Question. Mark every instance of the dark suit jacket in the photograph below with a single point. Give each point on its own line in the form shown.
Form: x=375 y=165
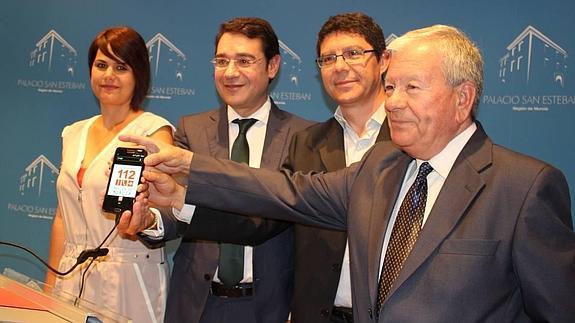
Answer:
x=318 y=252
x=498 y=245
x=196 y=260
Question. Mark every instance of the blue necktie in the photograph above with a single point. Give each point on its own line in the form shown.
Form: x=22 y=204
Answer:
x=231 y=263
x=404 y=233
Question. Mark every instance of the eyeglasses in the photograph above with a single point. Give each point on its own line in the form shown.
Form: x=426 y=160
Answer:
x=242 y=62
x=351 y=56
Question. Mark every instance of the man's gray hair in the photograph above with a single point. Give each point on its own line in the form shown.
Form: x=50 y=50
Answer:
x=462 y=60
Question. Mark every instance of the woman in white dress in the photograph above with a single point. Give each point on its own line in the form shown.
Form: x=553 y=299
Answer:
x=132 y=279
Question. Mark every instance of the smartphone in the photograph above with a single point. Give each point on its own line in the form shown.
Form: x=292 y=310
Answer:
x=125 y=176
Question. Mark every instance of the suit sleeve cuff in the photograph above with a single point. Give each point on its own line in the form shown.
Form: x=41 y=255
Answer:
x=185 y=214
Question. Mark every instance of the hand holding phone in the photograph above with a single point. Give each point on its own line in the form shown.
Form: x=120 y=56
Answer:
x=124 y=179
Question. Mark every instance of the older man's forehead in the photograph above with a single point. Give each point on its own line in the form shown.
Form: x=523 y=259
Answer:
x=414 y=57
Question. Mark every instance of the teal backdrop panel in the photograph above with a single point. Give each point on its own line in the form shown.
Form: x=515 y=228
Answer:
x=528 y=103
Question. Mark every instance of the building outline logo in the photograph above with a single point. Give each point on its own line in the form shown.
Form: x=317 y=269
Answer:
x=534 y=74
x=532 y=50
x=289 y=84
x=52 y=64
x=390 y=38
x=155 y=45
x=45 y=47
x=168 y=64
x=36 y=174
x=295 y=68
x=36 y=190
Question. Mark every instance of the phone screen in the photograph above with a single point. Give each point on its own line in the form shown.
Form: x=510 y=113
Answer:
x=124 y=179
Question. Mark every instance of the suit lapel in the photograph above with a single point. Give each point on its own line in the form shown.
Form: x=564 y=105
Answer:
x=385 y=194
x=384 y=133
x=217 y=133
x=460 y=189
x=331 y=150
x=277 y=134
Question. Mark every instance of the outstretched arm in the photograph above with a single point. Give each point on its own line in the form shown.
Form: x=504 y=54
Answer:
x=164 y=157
x=319 y=199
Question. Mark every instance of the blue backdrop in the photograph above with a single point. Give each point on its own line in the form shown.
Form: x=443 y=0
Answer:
x=528 y=103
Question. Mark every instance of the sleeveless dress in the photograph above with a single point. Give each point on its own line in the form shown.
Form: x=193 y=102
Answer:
x=132 y=279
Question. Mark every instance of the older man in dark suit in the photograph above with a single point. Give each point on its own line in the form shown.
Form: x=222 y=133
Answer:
x=450 y=227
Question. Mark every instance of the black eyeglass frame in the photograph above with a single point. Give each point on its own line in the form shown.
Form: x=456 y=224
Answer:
x=348 y=53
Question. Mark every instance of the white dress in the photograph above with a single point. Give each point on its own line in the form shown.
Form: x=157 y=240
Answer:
x=131 y=280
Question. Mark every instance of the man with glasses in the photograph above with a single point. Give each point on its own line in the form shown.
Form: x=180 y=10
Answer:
x=219 y=282
x=351 y=60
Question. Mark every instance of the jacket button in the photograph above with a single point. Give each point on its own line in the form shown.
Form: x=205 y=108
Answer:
x=336 y=267
x=207 y=277
x=324 y=312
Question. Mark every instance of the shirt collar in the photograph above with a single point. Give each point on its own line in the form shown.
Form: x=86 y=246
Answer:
x=260 y=114
x=375 y=121
x=443 y=162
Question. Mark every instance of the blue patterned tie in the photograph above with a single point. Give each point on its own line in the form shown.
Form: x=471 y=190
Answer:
x=231 y=263
x=404 y=233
